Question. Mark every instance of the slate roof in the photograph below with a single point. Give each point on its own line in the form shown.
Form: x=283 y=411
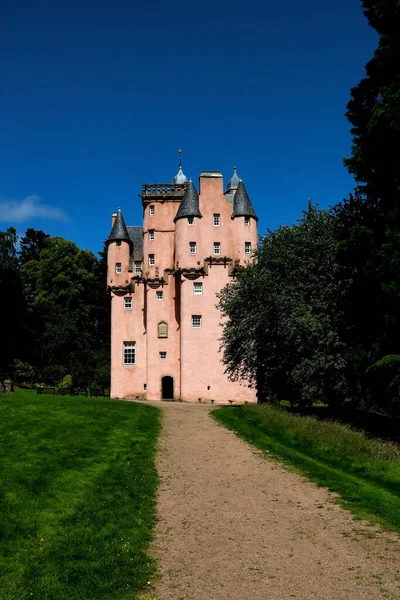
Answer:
x=233 y=182
x=136 y=237
x=119 y=230
x=189 y=206
x=242 y=206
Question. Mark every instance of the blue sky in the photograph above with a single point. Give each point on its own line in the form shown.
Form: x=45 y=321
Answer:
x=97 y=97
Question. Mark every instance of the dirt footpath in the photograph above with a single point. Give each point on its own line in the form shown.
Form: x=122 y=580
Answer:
x=235 y=526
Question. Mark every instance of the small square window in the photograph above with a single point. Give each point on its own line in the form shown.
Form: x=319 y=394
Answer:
x=216 y=219
x=196 y=320
x=118 y=268
x=163 y=356
x=127 y=303
x=151 y=234
x=119 y=243
x=197 y=288
x=151 y=210
x=138 y=267
x=217 y=248
x=247 y=220
x=192 y=247
x=152 y=260
x=247 y=247
x=129 y=356
x=190 y=220
x=159 y=295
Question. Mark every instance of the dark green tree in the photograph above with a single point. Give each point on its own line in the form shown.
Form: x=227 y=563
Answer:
x=11 y=301
x=63 y=278
x=368 y=223
x=281 y=328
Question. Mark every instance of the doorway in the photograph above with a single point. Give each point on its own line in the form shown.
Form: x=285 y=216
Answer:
x=167 y=387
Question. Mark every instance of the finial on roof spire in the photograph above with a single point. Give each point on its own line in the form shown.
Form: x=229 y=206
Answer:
x=180 y=177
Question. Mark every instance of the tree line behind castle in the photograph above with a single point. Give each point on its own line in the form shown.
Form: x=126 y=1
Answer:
x=316 y=319
x=55 y=312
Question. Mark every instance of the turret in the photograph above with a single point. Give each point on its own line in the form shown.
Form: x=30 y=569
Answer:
x=119 y=251
x=244 y=225
x=187 y=230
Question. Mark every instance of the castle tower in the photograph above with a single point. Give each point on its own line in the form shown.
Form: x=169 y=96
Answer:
x=164 y=280
x=245 y=225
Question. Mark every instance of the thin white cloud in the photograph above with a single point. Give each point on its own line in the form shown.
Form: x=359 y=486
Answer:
x=20 y=211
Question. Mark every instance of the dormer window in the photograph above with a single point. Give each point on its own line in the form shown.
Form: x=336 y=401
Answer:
x=151 y=210
x=190 y=220
x=247 y=220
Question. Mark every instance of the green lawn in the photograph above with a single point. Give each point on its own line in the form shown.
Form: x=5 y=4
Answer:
x=77 y=497
x=364 y=472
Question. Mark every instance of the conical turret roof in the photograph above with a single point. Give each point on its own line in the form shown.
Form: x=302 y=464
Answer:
x=242 y=206
x=119 y=230
x=189 y=207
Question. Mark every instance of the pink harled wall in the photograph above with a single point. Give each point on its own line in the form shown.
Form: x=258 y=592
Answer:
x=202 y=371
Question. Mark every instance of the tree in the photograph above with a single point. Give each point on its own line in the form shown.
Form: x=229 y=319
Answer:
x=11 y=301
x=281 y=328
x=368 y=223
x=64 y=281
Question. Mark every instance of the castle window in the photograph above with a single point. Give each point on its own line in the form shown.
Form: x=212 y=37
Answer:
x=247 y=247
x=128 y=303
x=151 y=210
x=162 y=329
x=138 y=267
x=192 y=247
x=217 y=248
x=129 y=356
x=118 y=268
x=152 y=260
x=151 y=234
x=163 y=356
x=217 y=220
x=118 y=243
x=159 y=295
x=190 y=220
x=197 y=288
x=247 y=220
x=196 y=320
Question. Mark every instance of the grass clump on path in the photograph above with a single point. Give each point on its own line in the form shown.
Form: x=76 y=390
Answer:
x=364 y=472
x=77 y=497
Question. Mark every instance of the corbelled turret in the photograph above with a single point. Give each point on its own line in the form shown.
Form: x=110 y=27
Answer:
x=119 y=230
x=242 y=206
x=189 y=207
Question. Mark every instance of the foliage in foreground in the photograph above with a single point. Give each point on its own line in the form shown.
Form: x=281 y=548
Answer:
x=364 y=472
x=77 y=497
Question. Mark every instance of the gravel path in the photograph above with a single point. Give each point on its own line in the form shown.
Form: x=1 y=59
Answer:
x=236 y=526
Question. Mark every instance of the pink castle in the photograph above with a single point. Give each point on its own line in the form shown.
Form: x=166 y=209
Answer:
x=164 y=277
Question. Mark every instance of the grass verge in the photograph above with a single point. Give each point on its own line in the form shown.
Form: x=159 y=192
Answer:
x=77 y=497
x=364 y=472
